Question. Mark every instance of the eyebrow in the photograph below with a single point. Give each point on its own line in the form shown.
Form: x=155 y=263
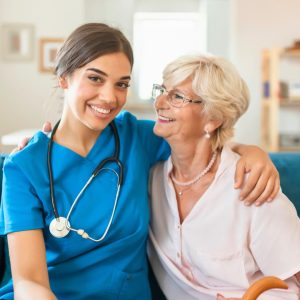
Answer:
x=176 y=90
x=182 y=93
x=106 y=75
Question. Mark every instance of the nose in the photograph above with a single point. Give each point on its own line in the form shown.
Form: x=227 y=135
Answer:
x=107 y=93
x=162 y=101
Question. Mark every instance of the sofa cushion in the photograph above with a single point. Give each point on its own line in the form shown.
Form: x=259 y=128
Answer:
x=2 y=241
x=5 y=272
x=288 y=165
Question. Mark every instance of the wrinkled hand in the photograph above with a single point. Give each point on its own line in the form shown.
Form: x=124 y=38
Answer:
x=46 y=128
x=263 y=181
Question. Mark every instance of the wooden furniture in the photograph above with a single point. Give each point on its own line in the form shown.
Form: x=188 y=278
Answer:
x=277 y=99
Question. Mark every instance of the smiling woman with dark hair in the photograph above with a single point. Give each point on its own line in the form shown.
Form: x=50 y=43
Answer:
x=75 y=230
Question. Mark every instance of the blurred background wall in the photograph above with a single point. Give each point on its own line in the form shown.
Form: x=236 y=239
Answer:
x=236 y=29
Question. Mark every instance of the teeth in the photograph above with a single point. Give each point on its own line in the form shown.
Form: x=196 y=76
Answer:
x=164 y=118
x=100 y=110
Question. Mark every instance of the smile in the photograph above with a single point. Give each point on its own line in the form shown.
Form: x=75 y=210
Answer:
x=164 y=119
x=100 y=110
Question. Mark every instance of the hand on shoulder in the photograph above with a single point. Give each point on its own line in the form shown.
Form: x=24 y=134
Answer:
x=47 y=127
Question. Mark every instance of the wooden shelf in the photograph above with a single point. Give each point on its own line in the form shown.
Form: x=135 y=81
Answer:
x=291 y=53
x=272 y=106
x=290 y=103
x=289 y=149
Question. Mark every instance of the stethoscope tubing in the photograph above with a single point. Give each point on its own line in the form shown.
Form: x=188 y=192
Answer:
x=81 y=231
x=50 y=172
x=97 y=170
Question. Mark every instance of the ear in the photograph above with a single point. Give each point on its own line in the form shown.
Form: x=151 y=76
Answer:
x=212 y=125
x=62 y=82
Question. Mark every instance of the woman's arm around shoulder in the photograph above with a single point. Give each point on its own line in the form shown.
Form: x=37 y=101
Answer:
x=263 y=182
x=28 y=265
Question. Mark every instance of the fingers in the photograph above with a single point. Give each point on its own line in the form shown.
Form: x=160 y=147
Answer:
x=15 y=150
x=265 y=194
x=47 y=127
x=254 y=187
x=263 y=181
x=275 y=190
x=21 y=145
x=251 y=187
x=260 y=186
x=239 y=174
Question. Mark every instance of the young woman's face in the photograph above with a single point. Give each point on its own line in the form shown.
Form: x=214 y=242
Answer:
x=95 y=93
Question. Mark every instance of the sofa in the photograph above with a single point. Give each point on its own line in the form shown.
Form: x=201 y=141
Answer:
x=288 y=165
x=4 y=261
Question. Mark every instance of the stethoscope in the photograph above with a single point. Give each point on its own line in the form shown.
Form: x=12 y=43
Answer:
x=60 y=226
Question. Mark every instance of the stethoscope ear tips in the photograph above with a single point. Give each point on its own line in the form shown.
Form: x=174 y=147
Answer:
x=59 y=227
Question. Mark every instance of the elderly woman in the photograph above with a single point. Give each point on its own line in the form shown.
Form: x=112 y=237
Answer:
x=203 y=241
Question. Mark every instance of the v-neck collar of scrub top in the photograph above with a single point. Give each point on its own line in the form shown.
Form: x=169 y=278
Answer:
x=93 y=155
x=225 y=162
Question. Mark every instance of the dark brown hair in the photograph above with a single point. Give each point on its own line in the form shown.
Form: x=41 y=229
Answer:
x=87 y=43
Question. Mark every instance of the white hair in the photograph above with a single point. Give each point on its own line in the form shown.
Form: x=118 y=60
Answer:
x=215 y=80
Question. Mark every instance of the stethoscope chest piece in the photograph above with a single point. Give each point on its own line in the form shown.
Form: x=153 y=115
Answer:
x=59 y=227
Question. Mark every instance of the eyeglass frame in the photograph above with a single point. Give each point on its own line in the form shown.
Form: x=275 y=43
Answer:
x=184 y=101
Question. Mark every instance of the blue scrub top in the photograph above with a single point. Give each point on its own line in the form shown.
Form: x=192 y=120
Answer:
x=115 y=268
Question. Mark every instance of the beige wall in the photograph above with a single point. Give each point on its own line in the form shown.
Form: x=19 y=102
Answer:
x=26 y=96
x=236 y=28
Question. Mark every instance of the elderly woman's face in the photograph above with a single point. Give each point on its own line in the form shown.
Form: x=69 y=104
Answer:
x=179 y=123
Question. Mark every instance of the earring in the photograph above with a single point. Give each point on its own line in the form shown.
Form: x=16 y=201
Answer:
x=207 y=134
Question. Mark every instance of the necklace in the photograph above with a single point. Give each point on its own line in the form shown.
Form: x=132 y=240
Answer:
x=197 y=178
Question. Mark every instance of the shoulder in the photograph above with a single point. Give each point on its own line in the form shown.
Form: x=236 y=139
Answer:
x=280 y=205
x=125 y=117
x=32 y=152
x=227 y=166
x=138 y=130
x=139 y=133
x=274 y=232
x=229 y=157
x=127 y=121
x=280 y=209
x=158 y=169
x=159 y=173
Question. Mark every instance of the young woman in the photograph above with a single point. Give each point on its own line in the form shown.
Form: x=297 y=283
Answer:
x=75 y=203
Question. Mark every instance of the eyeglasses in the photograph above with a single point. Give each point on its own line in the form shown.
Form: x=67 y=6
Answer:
x=175 y=98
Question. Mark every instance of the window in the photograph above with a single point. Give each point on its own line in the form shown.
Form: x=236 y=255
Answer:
x=159 y=38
